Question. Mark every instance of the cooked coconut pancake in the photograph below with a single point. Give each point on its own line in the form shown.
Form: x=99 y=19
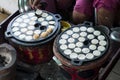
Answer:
x=24 y=16
x=32 y=23
x=89 y=56
x=94 y=41
x=101 y=48
x=29 y=33
x=41 y=19
x=92 y=47
x=28 y=38
x=44 y=14
x=17 y=33
x=51 y=26
x=44 y=23
x=71 y=46
x=38 y=12
x=64 y=36
x=69 y=32
x=34 y=18
x=49 y=30
x=81 y=57
x=31 y=27
x=26 y=20
x=97 y=33
x=44 y=34
x=83 y=34
x=22 y=36
x=67 y=52
x=52 y=22
x=90 y=30
x=85 y=50
x=19 y=20
x=101 y=37
x=81 y=39
x=76 y=29
x=73 y=55
x=71 y=40
x=79 y=44
x=49 y=18
x=23 y=30
x=90 y=36
x=96 y=53
x=37 y=31
x=15 y=29
x=103 y=43
x=62 y=41
x=31 y=14
x=77 y=50
x=36 y=36
x=15 y=24
x=75 y=35
x=23 y=25
x=63 y=47
x=83 y=28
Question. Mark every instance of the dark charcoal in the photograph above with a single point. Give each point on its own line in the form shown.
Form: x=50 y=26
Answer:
x=2 y=61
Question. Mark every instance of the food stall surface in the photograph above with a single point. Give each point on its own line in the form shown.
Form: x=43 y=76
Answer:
x=50 y=71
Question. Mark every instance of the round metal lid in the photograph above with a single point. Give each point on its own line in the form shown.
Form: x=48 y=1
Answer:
x=33 y=26
x=82 y=43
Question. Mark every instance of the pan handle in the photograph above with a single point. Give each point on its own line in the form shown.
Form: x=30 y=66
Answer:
x=88 y=23
x=104 y=29
x=57 y=61
x=8 y=34
x=76 y=62
x=58 y=16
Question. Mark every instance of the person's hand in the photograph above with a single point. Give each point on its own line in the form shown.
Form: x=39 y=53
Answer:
x=35 y=4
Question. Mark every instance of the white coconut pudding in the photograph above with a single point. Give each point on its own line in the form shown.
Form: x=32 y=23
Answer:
x=16 y=24
x=44 y=14
x=52 y=22
x=31 y=14
x=49 y=18
x=17 y=33
x=38 y=12
x=41 y=19
x=19 y=20
x=15 y=29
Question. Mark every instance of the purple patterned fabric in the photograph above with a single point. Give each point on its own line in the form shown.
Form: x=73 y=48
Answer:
x=87 y=6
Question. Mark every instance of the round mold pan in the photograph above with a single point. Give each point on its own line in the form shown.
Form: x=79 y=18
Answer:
x=32 y=44
x=77 y=61
x=56 y=18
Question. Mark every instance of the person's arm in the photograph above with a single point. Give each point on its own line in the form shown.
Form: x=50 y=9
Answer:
x=64 y=3
x=35 y=4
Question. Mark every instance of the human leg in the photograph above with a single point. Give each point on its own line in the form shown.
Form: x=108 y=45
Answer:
x=83 y=10
x=106 y=10
x=50 y=5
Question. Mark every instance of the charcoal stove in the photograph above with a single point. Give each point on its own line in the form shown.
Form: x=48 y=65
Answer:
x=32 y=34
x=7 y=62
x=75 y=54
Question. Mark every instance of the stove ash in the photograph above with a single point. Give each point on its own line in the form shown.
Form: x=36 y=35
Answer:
x=2 y=61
